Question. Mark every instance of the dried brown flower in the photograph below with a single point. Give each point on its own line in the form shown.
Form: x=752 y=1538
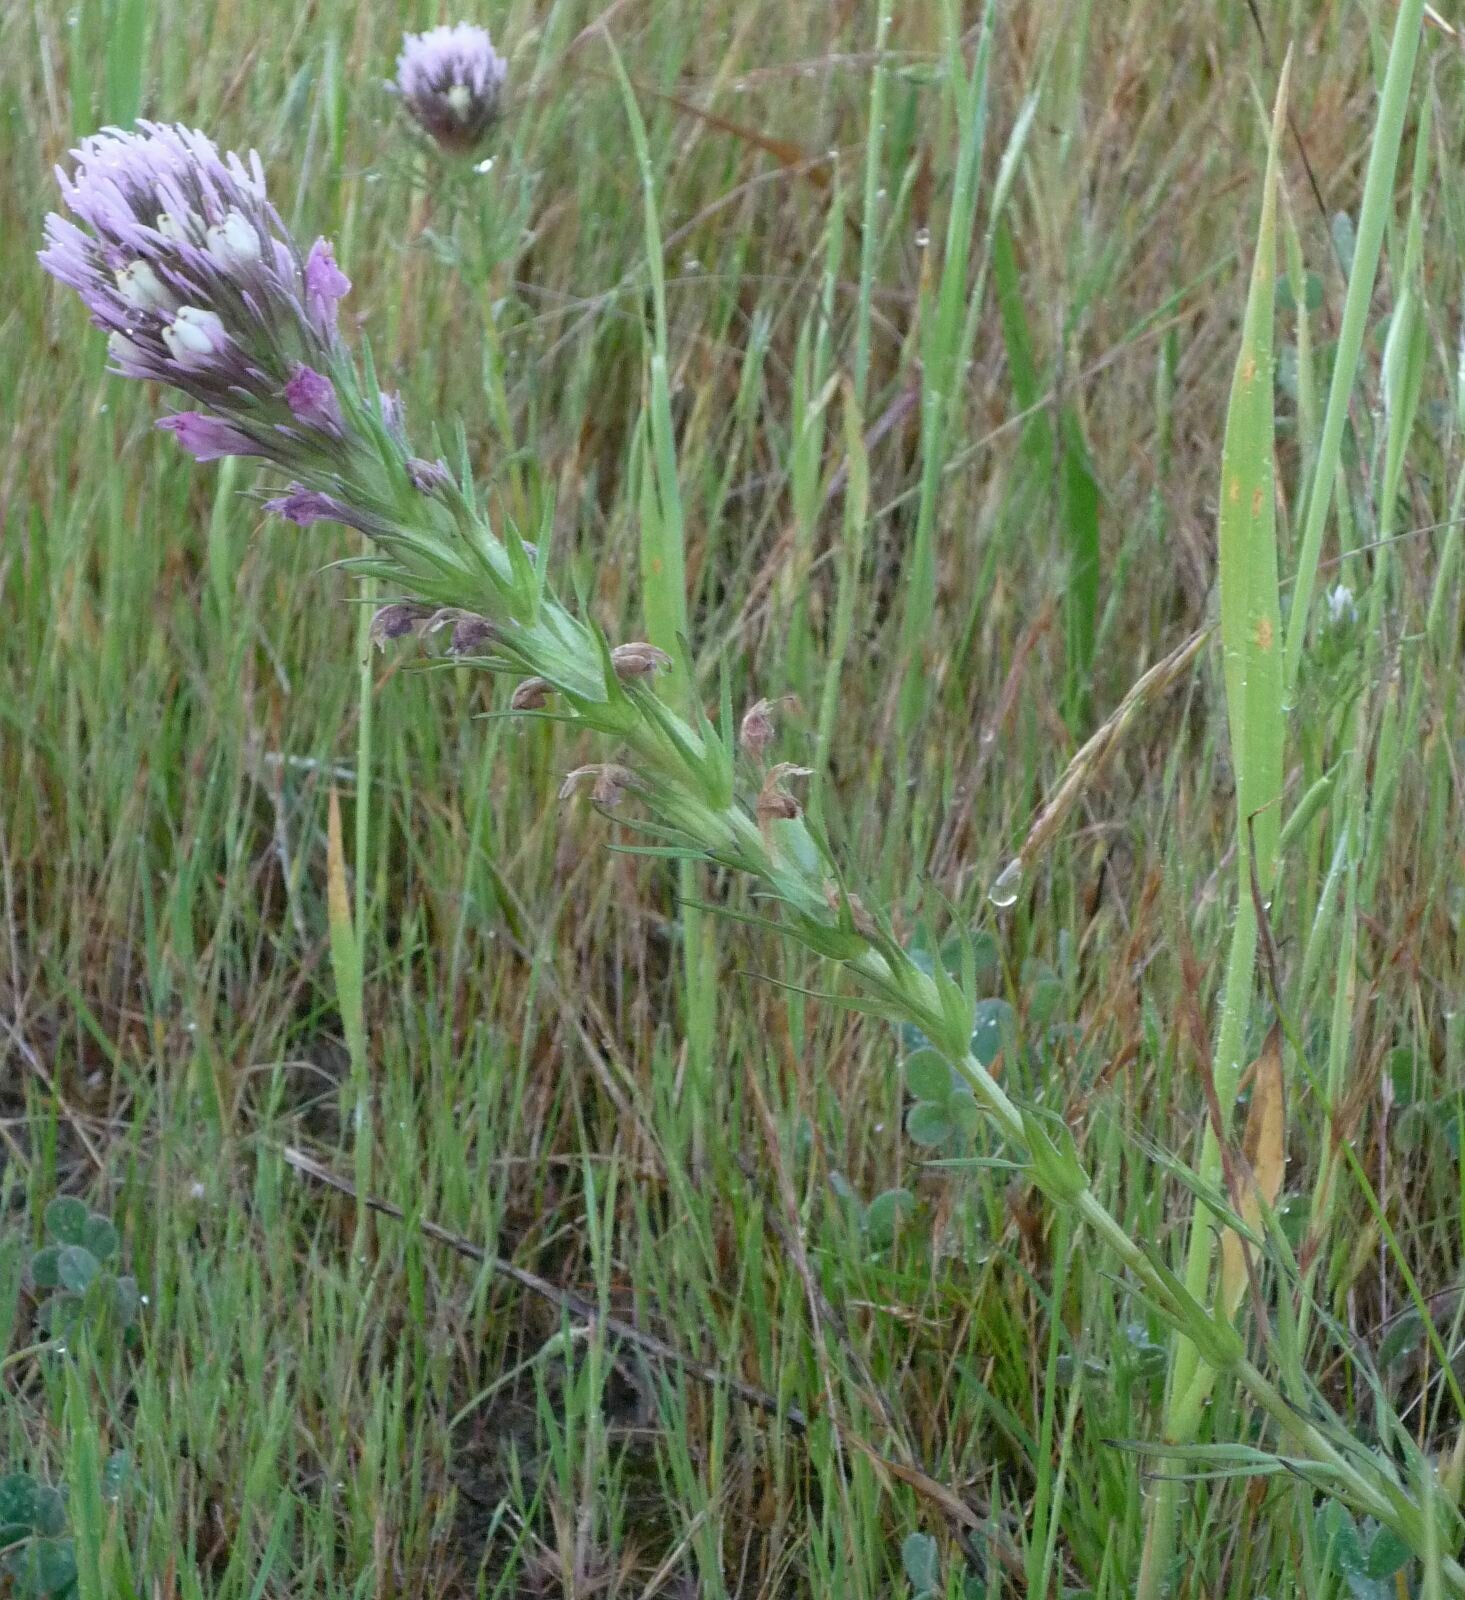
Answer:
x=864 y=923
x=638 y=660
x=608 y=782
x=396 y=621
x=758 y=731
x=775 y=803
x=531 y=695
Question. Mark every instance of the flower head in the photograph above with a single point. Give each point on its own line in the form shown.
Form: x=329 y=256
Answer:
x=452 y=81
x=177 y=252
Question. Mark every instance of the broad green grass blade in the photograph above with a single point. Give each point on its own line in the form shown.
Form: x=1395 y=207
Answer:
x=346 y=966
x=1252 y=668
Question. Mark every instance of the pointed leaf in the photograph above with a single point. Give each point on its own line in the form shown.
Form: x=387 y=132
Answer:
x=1251 y=624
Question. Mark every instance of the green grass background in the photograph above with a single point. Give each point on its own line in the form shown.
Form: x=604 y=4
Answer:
x=325 y=1403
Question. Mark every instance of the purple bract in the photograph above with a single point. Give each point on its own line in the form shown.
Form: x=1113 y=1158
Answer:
x=208 y=438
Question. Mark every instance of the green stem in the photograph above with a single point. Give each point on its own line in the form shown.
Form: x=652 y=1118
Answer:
x=360 y=1072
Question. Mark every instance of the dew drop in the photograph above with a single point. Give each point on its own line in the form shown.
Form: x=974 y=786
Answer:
x=1008 y=886
x=923 y=238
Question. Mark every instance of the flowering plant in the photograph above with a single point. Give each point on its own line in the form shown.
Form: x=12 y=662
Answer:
x=178 y=254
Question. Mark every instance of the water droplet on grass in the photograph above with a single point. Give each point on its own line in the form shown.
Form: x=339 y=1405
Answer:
x=1005 y=890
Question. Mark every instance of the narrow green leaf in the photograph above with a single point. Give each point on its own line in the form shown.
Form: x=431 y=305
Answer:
x=345 y=952
x=1079 y=512
x=1250 y=611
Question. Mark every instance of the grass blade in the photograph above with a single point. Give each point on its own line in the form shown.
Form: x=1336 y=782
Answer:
x=1251 y=657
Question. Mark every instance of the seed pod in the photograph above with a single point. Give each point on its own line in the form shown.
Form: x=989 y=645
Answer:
x=863 y=922
x=608 y=783
x=397 y=621
x=531 y=695
x=757 y=731
x=775 y=803
x=638 y=660
x=470 y=633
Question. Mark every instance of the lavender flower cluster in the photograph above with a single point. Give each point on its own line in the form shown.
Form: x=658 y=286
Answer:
x=452 y=80
x=178 y=254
